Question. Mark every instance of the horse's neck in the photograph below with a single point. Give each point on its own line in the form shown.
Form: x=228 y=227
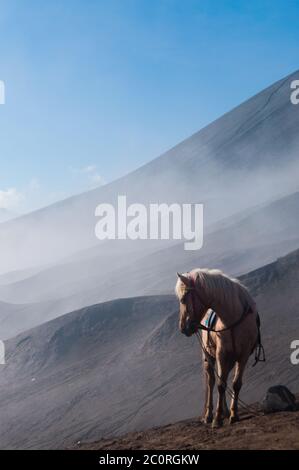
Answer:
x=226 y=314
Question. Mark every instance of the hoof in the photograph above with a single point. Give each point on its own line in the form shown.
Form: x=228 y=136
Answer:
x=207 y=419
x=233 y=419
x=217 y=423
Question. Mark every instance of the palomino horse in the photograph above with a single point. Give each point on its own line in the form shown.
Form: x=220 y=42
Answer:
x=231 y=341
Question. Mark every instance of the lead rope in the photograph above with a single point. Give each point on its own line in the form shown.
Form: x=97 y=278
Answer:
x=260 y=355
x=230 y=392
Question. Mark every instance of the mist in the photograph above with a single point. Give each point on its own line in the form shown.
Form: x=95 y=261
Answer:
x=242 y=168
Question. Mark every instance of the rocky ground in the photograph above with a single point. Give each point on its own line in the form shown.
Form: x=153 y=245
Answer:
x=272 y=431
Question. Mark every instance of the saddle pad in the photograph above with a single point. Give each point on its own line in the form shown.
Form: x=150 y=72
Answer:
x=211 y=319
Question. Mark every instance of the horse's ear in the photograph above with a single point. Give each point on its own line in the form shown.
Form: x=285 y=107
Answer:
x=184 y=279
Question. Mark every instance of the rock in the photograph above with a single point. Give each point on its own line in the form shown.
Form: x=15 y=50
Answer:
x=278 y=398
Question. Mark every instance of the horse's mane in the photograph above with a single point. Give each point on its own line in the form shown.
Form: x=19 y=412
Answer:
x=213 y=283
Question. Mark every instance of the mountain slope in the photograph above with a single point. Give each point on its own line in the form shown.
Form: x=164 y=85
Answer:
x=254 y=147
x=265 y=432
x=123 y=366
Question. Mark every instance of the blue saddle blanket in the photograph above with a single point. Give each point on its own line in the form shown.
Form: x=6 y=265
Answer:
x=211 y=319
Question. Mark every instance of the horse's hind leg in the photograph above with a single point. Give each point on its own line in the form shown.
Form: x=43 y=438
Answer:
x=209 y=364
x=237 y=384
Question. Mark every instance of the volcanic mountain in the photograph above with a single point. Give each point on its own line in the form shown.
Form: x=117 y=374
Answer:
x=246 y=157
x=243 y=167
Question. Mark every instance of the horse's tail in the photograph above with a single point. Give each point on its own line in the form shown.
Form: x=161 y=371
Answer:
x=259 y=355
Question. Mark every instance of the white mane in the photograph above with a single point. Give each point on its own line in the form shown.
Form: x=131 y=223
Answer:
x=214 y=284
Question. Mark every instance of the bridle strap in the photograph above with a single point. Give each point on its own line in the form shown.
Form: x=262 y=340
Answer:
x=231 y=327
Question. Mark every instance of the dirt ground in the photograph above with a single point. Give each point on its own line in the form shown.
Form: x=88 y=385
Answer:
x=273 y=431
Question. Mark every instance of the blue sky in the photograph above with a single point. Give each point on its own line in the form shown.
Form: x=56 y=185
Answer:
x=95 y=89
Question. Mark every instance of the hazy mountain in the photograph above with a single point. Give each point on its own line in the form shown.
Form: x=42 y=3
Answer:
x=15 y=318
x=6 y=215
x=123 y=365
x=237 y=245
x=247 y=156
x=12 y=277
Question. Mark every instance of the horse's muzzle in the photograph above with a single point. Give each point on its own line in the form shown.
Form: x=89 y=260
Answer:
x=189 y=329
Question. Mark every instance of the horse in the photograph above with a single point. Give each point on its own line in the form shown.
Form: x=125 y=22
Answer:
x=229 y=343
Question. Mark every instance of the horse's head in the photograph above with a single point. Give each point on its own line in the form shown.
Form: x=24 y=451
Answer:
x=192 y=309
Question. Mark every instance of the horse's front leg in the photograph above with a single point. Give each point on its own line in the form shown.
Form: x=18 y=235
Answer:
x=209 y=363
x=223 y=371
x=237 y=384
x=226 y=411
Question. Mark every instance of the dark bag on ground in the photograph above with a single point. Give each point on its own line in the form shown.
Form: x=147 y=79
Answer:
x=279 y=398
